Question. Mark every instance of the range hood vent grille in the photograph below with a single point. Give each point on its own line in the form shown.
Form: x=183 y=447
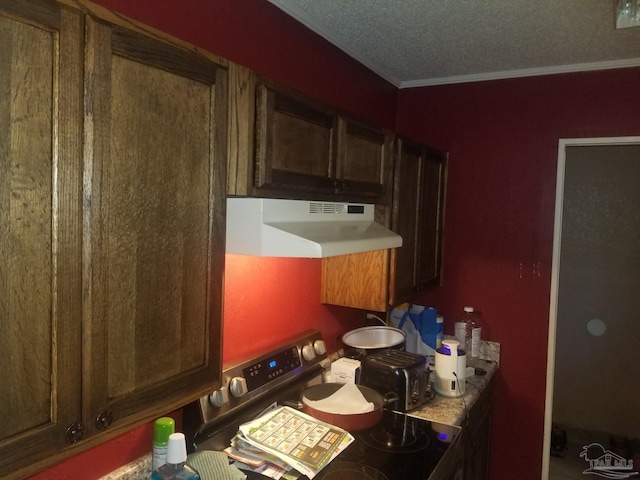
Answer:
x=328 y=208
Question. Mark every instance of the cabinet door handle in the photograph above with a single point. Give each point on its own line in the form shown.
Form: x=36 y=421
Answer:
x=104 y=420
x=75 y=432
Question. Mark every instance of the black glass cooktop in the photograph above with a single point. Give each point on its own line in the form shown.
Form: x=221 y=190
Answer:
x=399 y=447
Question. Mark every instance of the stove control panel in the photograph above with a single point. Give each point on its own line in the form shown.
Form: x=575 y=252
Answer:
x=250 y=377
x=272 y=367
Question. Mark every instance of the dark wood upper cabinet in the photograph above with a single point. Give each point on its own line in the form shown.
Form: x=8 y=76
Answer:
x=417 y=216
x=405 y=219
x=365 y=161
x=295 y=145
x=112 y=229
x=431 y=220
x=288 y=145
x=40 y=230
x=154 y=230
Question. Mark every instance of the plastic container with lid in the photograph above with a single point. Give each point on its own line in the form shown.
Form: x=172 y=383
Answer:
x=468 y=331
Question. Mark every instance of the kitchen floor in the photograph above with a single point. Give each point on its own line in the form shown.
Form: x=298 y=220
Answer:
x=572 y=466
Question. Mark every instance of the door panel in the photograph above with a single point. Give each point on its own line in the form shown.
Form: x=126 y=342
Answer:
x=40 y=240
x=155 y=225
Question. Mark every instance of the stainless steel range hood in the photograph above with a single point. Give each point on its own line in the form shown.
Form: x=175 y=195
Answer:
x=270 y=227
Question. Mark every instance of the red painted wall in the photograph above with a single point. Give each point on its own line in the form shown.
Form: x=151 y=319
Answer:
x=269 y=299
x=503 y=142
x=265 y=299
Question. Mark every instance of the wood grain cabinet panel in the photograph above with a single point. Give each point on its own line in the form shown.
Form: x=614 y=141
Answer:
x=112 y=217
x=365 y=161
x=417 y=216
x=405 y=219
x=295 y=145
x=40 y=228
x=155 y=225
x=358 y=280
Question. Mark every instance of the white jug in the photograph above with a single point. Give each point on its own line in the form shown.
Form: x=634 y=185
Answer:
x=450 y=369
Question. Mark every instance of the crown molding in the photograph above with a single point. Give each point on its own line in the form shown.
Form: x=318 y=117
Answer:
x=528 y=72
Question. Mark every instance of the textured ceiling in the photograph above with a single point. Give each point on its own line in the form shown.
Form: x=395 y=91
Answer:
x=428 y=42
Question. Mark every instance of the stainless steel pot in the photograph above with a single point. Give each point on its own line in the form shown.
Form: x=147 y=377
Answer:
x=363 y=341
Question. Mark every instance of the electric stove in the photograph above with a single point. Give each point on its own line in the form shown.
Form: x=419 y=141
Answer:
x=400 y=446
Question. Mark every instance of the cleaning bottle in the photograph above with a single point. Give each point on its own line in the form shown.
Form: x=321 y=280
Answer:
x=439 y=331
x=468 y=331
x=176 y=467
x=162 y=428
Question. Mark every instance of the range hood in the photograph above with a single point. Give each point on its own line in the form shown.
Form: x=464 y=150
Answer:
x=271 y=227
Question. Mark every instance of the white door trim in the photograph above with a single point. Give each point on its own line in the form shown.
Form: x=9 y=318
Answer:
x=553 y=303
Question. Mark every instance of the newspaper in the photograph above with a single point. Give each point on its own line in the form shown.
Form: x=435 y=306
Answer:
x=301 y=441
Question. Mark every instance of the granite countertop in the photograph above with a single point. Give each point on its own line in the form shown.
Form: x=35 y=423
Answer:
x=452 y=410
x=139 y=469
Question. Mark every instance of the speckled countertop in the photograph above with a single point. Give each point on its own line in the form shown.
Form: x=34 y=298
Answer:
x=452 y=410
x=139 y=469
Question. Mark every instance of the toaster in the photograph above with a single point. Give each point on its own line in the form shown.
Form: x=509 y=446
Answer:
x=398 y=372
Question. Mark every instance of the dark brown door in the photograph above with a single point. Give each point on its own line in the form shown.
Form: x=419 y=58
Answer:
x=154 y=229
x=40 y=231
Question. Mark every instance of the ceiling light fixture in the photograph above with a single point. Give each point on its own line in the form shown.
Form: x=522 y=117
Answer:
x=628 y=13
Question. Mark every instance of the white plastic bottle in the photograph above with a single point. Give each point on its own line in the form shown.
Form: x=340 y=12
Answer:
x=176 y=467
x=468 y=331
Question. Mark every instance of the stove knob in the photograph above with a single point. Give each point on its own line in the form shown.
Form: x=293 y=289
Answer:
x=219 y=397
x=308 y=353
x=320 y=347
x=238 y=386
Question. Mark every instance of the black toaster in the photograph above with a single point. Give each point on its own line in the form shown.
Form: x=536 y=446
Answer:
x=398 y=372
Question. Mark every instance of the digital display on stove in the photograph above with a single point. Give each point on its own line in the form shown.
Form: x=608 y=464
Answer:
x=268 y=369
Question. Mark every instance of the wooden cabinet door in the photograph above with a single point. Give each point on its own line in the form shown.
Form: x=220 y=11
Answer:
x=358 y=280
x=295 y=146
x=365 y=162
x=431 y=218
x=477 y=436
x=418 y=216
x=405 y=219
x=154 y=225
x=40 y=236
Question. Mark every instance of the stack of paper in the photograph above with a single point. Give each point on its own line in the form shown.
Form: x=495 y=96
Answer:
x=286 y=443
